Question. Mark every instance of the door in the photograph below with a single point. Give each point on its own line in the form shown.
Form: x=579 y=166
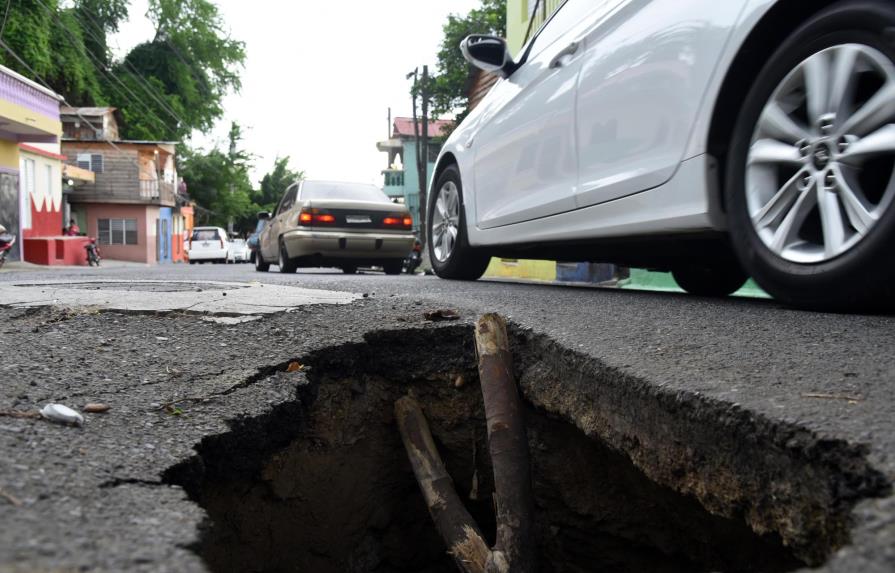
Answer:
x=270 y=238
x=525 y=159
x=646 y=66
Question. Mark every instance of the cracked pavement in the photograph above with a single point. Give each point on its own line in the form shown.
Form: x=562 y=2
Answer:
x=91 y=498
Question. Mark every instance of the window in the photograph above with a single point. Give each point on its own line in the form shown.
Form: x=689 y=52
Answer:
x=288 y=199
x=348 y=191
x=205 y=235
x=51 y=186
x=28 y=187
x=91 y=162
x=117 y=231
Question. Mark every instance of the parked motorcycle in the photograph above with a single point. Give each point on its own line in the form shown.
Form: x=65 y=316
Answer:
x=7 y=240
x=414 y=259
x=93 y=257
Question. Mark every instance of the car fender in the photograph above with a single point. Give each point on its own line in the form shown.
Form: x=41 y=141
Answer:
x=752 y=13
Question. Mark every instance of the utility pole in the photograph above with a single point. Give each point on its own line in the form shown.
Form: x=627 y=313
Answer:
x=424 y=155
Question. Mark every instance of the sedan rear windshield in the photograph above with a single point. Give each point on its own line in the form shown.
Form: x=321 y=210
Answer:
x=205 y=235
x=345 y=191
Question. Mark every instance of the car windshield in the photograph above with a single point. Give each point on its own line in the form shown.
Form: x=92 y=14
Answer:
x=345 y=191
x=205 y=234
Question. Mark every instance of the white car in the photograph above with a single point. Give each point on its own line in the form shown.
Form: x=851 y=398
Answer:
x=239 y=251
x=208 y=244
x=713 y=139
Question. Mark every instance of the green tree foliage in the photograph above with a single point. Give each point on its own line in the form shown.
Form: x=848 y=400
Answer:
x=448 y=85
x=219 y=181
x=51 y=42
x=194 y=59
x=98 y=19
x=274 y=184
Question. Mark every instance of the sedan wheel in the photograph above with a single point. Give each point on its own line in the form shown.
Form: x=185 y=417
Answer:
x=449 y=250
x=286 y=264
x=260 y=265
x=812 y=176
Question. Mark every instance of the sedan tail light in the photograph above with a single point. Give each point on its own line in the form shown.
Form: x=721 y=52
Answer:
x=311 y=217
x=397 y=220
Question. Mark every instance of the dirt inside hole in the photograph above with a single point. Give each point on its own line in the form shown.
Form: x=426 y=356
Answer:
x=324 y=484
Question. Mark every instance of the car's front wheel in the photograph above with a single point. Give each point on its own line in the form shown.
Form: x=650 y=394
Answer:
x=810 y=184
x=449 y=250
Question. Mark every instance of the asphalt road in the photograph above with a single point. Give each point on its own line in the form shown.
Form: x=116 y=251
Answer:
x=831 y=374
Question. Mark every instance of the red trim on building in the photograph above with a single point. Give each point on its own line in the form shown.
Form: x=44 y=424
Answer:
x=39 y=151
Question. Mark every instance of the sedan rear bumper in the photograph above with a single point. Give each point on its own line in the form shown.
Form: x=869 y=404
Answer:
x=347 y=245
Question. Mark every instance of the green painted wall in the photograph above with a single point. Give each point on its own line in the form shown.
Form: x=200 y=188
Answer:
x=518 y=12
x=411 y=178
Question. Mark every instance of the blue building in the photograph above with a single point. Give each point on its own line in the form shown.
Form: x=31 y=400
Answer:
x=401 y=180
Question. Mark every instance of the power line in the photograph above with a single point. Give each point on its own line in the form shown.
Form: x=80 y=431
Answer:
x=5 y=16
x=43 y=82
x=141 y=80
x=100 y=67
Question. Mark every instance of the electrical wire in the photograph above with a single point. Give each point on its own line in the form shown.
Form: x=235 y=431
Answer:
x=141 y=80
x=100 y=67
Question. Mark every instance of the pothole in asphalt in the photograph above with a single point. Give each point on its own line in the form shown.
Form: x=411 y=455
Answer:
x=626 y=478
x=140 y=286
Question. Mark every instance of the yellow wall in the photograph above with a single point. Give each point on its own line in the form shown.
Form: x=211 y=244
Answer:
x=517 y=19
x=11 y=112
x=9 y=154
x=522 y=269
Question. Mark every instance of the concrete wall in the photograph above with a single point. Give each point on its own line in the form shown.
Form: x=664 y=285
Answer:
x=45 y=201
x=146 y=215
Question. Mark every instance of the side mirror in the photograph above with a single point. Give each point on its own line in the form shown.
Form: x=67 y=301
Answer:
x=264 y=215
x=488 y=53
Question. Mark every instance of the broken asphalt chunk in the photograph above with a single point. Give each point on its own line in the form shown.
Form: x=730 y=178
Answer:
x=442 y=315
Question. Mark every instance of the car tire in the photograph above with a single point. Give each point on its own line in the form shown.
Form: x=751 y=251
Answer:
x=715 y=280
x=286 y=265
x=349 y=270
x=393 y=267
x=260 y=265
x=446 y=235
x=805 y=241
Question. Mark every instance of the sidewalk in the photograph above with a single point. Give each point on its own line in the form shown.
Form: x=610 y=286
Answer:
x=23 y=266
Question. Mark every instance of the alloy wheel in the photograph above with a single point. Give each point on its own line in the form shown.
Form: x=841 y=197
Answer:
x=821 y=164
x=446 y=221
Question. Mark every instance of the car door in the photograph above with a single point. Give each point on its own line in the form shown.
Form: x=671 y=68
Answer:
x=645 y=69
x=270 y=238
x=525 y=164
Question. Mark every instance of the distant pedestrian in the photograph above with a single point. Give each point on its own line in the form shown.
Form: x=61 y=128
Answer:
x=73 y=229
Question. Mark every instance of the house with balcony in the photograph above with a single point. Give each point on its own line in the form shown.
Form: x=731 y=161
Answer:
x=131 y=206
x=400 y=177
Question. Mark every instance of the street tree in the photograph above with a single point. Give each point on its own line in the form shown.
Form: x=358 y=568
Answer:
x=195 y=61
x=274 y=183
x=219 y=181
x=448 y=84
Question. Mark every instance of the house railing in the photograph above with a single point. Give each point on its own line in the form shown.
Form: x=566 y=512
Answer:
x=155 y=190
x=394 y=178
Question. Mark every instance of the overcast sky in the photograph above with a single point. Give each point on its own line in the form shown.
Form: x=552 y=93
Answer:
x=319 y=77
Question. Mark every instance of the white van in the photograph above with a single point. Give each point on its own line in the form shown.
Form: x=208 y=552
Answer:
x=208 y=244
